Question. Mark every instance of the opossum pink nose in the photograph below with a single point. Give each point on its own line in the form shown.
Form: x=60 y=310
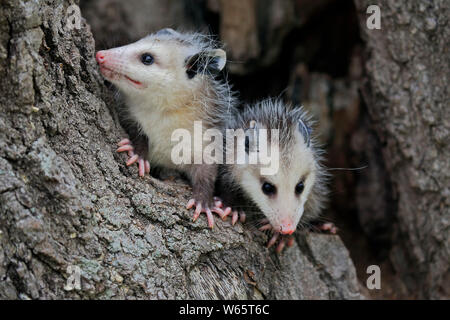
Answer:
x=101 y=57
x=287 y=227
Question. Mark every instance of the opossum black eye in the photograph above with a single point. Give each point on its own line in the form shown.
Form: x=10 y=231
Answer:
x=299 y=188
x=269 y=189
x=147 y=59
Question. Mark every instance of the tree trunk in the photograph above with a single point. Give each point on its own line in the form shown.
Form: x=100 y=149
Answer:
x=406 y=92
x=68 y=202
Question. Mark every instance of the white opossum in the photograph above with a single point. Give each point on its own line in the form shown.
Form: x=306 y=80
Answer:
x=297 y=190
x=168 y=82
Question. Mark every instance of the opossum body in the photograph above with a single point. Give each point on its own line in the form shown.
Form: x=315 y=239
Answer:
x=168 y=81
x=297 y=190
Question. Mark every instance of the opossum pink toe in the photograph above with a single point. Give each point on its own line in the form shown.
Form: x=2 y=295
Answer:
x=141 y=167
x=190 y=203
x=196 y=215
x=198 y=209
x=219 y=211
x=227 y=211
x=124 y=142
x=328 y=226
x=132 y=160
x=280 y=246
x=210 y=218
x=290 y=241
x=273 y=240
x=218 y=203
x=242 y=216
x=234 y=217
x=126 y=147
x=147 y=166
x=265 y=227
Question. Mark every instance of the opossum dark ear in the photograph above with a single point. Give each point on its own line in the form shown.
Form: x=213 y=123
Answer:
x=218 y=59
x=166 y=31
x=305 y=131
x=212 y=61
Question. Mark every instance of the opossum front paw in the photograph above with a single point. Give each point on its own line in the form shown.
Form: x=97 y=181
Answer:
x=327 y=227
x=143 y=164
x=235 y=214
x=201 y=207
x=282 y=239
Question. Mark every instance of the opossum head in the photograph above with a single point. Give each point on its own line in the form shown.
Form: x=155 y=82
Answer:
x=296 y=189
x=166 y=67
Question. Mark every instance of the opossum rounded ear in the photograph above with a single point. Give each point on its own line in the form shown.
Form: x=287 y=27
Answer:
x=212 y=61
x=166 y=31
x=218 y=60
x=305 y=131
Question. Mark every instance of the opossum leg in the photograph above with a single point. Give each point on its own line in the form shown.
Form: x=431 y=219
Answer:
x=203 y=178
x=137 y=152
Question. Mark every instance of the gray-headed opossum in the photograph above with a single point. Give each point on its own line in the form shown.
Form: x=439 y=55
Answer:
x=296 y=189
x=168 y=81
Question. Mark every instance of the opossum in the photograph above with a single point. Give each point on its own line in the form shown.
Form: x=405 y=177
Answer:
x=297 y=190
x=168 y=81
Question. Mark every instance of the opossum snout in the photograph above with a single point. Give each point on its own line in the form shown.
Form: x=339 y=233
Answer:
x=287 y=227
x=100 y=57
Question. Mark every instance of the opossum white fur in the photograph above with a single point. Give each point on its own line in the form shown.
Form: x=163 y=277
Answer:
x=177 y=88
x=300 y=161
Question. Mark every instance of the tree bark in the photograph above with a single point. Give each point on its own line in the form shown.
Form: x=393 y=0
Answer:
x=68 y=201
x=406 y=92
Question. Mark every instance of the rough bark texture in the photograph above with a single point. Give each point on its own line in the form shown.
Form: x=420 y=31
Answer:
x=66 y=198
x=406 y=92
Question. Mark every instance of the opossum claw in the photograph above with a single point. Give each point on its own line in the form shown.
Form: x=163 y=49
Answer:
x=242 y=216
x=280 y=246
x=199 y=209
x=124 y=142
x=143 y=165
x=226 y=211
x=265 y=227
x=273 y=239
x=126 y=147
x=234 y=217
x=283 y=240
x=133 y=159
